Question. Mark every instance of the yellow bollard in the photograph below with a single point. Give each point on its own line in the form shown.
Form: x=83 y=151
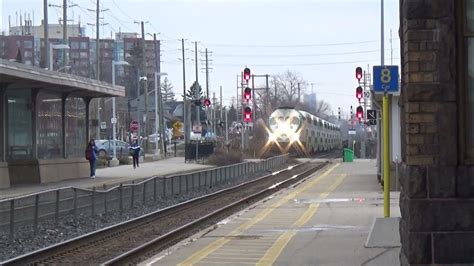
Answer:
x=386 y=157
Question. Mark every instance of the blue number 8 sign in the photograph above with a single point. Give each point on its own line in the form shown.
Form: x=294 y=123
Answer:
x=385 y=79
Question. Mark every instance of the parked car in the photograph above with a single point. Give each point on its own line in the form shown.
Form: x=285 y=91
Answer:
x=106 y=148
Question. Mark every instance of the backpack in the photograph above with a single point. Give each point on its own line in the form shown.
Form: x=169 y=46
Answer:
x=88 y=154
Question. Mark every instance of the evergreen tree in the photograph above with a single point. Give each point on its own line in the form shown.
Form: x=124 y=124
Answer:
x=19 y=58
x=194 y=94
x=167 y=92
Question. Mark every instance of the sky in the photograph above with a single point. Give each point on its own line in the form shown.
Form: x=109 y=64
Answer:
x=321 y=40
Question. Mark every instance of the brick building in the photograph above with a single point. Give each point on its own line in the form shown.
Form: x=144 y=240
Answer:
x=79 y=56
x=437 y=196
x=10 y=46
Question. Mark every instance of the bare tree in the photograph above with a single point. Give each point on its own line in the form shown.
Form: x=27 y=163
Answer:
x=323 y=109
x=288 y=85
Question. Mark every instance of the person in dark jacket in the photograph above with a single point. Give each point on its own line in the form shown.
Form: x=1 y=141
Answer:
x=135 y=148
x=91 y=156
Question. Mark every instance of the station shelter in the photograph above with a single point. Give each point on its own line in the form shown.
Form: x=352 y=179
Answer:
x=44 y=123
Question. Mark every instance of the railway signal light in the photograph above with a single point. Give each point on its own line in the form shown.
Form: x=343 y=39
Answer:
x=247 y=114
x=359 y=73
x=247 y=74
x=207 y=102
x=197 y=102
x=359 y=93
x=360 y=112
x=247 y=94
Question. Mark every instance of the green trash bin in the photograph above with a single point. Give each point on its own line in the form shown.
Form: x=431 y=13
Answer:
x=348 y=156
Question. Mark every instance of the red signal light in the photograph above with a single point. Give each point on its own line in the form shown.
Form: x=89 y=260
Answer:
x=207 y=102
x=359 y=93
x=360 y=112
x=358 y=73
x=247 y=74
x=248 y=94
x=247 y=114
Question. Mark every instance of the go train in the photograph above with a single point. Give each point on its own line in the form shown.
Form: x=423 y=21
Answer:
x=293 y=129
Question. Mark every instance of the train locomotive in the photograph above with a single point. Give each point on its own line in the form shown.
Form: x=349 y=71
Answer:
x=294 y=130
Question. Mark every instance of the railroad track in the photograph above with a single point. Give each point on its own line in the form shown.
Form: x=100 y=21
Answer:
x=135 y=240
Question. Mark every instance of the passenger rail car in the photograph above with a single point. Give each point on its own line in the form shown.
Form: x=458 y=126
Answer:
x=291 y=128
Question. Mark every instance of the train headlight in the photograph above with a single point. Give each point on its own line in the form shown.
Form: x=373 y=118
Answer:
x=271 y=137
x=295 y=137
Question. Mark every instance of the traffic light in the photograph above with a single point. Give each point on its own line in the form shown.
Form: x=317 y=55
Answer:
x=360 y=112
x=359 y=73
x=359 y=93
x=207 y=102
x=197 y=102
x=247 y=74
x=247 y=94
x=247 y=114
x=352 y=112
x=339 y=113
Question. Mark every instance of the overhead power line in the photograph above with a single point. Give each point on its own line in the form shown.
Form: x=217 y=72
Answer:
x=287 y=45
x=295 y=55
x=305 y=64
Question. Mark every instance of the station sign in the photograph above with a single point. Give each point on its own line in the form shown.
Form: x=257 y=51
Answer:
x=385 y=79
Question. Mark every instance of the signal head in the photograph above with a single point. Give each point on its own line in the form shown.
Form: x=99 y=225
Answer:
x=247 y=74
x=359 y=93
x=358 y=73
x=207 y=102
x=248 y=94
x=247 y=114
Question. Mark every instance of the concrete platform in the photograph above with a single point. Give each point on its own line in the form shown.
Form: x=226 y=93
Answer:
x=323 y=221
x=110 y=176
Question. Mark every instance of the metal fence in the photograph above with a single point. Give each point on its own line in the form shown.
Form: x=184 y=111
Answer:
x=36 y=208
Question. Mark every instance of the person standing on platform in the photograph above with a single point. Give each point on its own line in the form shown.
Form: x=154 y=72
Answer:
x=135 y=148
x=91 y=156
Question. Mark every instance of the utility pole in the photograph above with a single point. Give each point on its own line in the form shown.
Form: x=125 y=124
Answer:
x=97 y=58
x=220 y=96
x=207 y=76
x=185 y=118
x=254 y=101
x=267 y=88
x=214 y=100
x=65 y=41
x=46 y=32
x=145 y=88
x=196 y=60
x=160 y=121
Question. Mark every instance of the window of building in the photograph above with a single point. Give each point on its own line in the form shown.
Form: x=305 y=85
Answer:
x=74 y=55
x=74 y=45
x=28 y=44
x=19 y=124
x=27 y=54
x=49 y=126
x=84 y=55
x=84 y=45
x=75 y=127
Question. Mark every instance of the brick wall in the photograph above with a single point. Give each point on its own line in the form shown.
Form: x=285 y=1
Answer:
x=437 y=196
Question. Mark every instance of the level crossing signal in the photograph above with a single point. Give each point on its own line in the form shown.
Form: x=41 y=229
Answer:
x=359 y=93
x=358 y=73
x=360 y=112
x=247 y=114
x=247 y=94
x=247 y=74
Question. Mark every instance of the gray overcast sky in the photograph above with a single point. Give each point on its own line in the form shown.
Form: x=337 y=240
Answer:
x=322 y=40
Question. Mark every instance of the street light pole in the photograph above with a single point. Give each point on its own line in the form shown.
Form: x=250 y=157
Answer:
x=159 y=121
x=114 y=161
x=114 y=119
